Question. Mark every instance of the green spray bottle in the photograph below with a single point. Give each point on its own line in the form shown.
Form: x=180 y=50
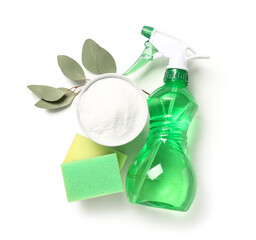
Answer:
x=162 y=175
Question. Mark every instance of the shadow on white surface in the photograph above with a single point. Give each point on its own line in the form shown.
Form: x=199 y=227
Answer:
x=110 y=203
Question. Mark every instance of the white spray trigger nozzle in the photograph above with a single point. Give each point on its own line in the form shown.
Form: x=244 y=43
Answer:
x=174 y=49
x=163 y=45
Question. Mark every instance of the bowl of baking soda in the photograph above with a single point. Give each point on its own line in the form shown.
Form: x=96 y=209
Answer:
x=112 y=110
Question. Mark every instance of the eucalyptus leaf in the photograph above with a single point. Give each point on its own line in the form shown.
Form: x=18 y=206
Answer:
x=65 y=101
x=47 y=93
x=96 y=59
x=70 y=68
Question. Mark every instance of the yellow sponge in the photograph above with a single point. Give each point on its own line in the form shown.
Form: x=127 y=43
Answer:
x=84 y=148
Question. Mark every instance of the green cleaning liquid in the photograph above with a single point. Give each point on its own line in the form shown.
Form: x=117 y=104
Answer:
x=162 y=174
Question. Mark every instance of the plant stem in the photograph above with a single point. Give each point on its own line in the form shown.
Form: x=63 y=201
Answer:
x=75 y=87
x=146 y=92
x=78 y=92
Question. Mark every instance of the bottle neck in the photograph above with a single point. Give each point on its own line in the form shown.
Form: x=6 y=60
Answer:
x=176 y=77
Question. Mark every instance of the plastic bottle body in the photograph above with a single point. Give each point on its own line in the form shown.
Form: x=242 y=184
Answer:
x=162 y=175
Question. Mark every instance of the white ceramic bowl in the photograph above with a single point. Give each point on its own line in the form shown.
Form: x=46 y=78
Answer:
x=139 y=126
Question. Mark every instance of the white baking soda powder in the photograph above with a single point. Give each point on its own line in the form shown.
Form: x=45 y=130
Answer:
x=112 y=110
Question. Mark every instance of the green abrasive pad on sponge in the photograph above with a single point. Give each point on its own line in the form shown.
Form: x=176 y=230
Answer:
x=84 y=148
x=92 y=177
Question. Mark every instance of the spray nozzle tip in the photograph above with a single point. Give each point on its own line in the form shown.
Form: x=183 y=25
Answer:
x=147 y=31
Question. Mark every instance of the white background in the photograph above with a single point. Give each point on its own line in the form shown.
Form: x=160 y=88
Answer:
x=34 y=141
